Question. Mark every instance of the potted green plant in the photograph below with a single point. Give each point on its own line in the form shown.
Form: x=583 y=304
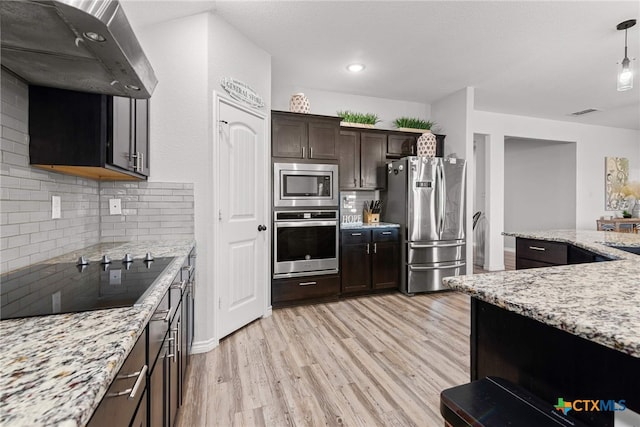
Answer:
x=351 y=118
x=412 y=124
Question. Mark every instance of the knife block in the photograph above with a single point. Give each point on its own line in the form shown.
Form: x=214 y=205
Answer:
x=371 y=218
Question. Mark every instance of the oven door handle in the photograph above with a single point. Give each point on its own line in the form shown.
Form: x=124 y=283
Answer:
x=279 y=224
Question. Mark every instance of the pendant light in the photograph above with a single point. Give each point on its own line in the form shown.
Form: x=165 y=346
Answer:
x=625 y=75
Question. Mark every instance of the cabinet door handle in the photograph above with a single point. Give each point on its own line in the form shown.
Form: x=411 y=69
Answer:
x=307 y=283
x=537 y=248
x=355 y=182
x=311 y=152
x=133 y=390
x=303 y=152
x=181 y=285
x=368 y=249
x=375 y=248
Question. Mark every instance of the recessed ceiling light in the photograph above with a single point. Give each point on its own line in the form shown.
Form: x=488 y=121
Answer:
x=355 y=68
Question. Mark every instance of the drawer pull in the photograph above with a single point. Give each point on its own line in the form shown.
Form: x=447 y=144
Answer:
x=307 y=283
x=537 y=248
x=133 y=390
x=386 y=232
x=188 y=268
x=356 y=234
x=165 y=318
x=180 y=285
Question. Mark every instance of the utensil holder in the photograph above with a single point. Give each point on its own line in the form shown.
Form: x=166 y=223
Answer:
x=371 y=218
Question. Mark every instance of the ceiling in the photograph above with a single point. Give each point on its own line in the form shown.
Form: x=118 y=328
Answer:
x=534 y=58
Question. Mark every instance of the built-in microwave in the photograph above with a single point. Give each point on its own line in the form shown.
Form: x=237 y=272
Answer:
x=305 y=185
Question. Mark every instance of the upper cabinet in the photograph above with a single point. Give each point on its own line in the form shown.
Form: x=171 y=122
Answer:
x=304 y=136
x=362 y=159
x=95 y=136
x=404 y=144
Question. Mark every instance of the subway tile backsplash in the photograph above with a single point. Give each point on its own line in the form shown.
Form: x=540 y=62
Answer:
x=151 y=210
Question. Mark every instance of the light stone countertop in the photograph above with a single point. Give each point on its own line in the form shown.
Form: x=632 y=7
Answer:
x=54 y=370
x=597 y=301
x=364 y=226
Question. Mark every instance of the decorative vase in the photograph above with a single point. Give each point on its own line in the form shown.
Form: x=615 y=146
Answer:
x=426 y=145
x=299 y=103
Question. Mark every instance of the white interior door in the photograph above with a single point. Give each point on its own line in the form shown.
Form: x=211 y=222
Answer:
x=242 y=259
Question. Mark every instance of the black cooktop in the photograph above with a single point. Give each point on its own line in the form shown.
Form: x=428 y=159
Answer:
x=43 y=289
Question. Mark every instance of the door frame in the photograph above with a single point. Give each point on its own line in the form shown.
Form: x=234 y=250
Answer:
x=218 y=99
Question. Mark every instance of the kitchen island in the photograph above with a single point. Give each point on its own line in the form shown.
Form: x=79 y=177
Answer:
x=55 y=370
x=570 y=331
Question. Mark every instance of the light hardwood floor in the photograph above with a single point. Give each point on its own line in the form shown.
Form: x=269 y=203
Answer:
x=375 y=360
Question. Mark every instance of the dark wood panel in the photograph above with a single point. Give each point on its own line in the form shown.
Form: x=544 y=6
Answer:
x=355 y=268
x=400 y=145
x=523 y=263
x=372 y=160
x=350 y=237
x=323 y=140
x=385 y=265
x=549 y=362
x=288 y=137
x=385 y=235
x=349 y=159
x=542 y=250
x=304 y=289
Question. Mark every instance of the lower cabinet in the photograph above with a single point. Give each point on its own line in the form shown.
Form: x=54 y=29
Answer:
x=369 y=260
x=533 y=253
x=149 y=388
x=125 y=400
x=302 y=290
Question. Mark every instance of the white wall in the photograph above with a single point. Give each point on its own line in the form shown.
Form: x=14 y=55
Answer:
x=539 y=186
x=328 y=103
x=453 y=114
x=593 y=144
x=189 y=55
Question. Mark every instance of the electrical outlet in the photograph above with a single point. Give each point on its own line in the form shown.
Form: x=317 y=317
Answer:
x=115 y=207
x=55 y=207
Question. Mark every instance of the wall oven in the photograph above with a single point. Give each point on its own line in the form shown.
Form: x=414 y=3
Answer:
x=305 y=243
x=305 y=185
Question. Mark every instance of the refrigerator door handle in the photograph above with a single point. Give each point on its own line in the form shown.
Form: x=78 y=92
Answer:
x=441 y=267
x=441 y=199
x=434 y=245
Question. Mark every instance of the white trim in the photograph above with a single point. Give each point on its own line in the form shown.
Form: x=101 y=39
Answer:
x=219 y=98
x=268 y=312
x=204 y=346
x=508 y=249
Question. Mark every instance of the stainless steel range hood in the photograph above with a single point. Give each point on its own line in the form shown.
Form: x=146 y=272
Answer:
x=80 y=45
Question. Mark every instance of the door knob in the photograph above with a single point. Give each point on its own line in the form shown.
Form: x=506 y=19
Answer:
x=262 y=227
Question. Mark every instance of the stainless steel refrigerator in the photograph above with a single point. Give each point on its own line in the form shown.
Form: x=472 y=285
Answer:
x=426 y=196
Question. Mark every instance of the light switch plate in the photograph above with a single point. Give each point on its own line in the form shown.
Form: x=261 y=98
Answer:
x=55 y=207
x=115 y=207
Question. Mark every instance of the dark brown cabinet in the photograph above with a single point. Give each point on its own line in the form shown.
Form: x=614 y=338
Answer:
x=362 y=159
x=401 y=145
x=309 y=289
x=404 y=144
x=369 y=260
x=304 y=136
x=95 y=136
x=533 y=253
x=123 y=402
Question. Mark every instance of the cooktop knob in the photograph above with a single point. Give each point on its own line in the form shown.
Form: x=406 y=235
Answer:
x=82 y=261
x=127 y=258
x=105 y=260
x=148 y=257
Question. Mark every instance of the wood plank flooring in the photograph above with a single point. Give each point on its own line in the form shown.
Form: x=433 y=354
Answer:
x=376 y=360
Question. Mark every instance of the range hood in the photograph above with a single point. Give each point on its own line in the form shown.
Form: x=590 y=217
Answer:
x=82 y=45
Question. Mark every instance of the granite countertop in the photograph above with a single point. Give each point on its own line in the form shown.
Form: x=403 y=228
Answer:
x=596 y=301
x=54 y=370
x=363 y=226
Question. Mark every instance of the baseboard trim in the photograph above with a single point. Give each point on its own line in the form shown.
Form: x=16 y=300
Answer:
x=204 y=346
x=268 y=312
x=499 y=267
